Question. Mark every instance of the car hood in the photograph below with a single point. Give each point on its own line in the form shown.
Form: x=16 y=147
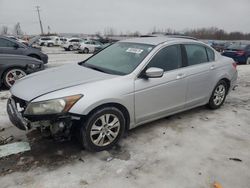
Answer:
x=47 y=81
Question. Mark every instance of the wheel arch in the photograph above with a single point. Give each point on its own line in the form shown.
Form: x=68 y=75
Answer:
x=228 y=82
x=119 y=106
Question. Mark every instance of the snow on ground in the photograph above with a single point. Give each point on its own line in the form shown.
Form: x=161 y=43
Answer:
x=193 y=149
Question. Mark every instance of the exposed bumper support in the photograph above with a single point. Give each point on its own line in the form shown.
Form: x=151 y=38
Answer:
x=16 y=117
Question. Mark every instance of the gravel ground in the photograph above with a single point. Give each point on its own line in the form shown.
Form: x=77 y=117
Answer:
x=193 y=149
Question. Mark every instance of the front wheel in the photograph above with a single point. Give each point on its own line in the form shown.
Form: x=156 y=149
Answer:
x=11 y=75
x=102 y=129
x=50 y=45
x=71 y=48
x=219 y=95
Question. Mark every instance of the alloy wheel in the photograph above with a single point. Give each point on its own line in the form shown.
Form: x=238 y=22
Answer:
x=105 y=130
x=219 y=94
x=13 y=75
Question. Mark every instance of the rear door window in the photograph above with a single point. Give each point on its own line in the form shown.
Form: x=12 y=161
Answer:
x=168 y=58
x=210 y=54
x=196 y=54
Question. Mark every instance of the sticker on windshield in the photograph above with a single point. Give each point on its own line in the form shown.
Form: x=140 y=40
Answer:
x=134 y=50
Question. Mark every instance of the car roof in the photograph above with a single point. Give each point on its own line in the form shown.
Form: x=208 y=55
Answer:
x=158 y=40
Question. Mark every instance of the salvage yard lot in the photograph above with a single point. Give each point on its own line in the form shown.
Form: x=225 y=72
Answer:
x=187 y=150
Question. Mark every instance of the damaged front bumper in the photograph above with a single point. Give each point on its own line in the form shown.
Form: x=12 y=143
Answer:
x=56 y=123
x=16 y=117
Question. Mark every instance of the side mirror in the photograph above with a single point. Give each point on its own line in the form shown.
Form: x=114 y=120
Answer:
x=154 y=72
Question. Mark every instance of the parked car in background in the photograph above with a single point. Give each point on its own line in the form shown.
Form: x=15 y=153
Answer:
x=54 y=41
x=239 y=52
x=14 y=67
x=220 y=46
x=19 y=40
x=71 y=44
x=62 y=40
x=10 y=46
x=127 y=84
x=89 y=46
x=42 y=40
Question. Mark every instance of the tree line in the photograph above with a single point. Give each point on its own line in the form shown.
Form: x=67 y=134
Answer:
x=217 y=34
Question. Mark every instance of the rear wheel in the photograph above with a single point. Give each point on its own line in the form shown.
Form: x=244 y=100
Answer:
x=86 y=50
x=11 y=75
x=102 y=129
x=219 y=95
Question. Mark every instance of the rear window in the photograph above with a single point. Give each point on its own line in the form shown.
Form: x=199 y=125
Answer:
x=237 y=46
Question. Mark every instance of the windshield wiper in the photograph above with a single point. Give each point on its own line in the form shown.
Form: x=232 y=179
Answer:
x=94 y=68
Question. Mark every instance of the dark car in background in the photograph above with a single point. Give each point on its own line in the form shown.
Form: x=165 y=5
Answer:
x=239 y=52
x=10 y=46
x=14 y=67
x=220 y=46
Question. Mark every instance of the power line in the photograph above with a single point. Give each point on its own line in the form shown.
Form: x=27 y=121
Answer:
x=38 y=12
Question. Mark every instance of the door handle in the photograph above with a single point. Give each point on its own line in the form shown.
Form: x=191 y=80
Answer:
x=212 y=67
x=180 y=76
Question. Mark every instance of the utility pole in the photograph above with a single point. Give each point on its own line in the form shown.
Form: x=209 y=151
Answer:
x=38 y=12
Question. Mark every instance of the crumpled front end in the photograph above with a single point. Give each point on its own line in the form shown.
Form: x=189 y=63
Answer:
x=57 y=125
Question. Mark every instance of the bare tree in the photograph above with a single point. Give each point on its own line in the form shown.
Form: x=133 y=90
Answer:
x=4 y=30
x=109 y=31
x=17 y=29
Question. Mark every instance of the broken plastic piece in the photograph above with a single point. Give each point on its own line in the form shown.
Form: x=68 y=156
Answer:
x=4 y=140
x=13 y=148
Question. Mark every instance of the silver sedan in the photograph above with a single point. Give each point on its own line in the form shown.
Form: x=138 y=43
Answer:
x=130 y=83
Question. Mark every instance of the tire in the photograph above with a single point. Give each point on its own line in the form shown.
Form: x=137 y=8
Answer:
x=70 y=48
x=95 y=131
x=50 y=45
x=86 y=50
x=219 y=95
x=248 y=61
x=11 y=75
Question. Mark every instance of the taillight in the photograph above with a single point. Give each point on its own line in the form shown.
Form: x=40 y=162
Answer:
x=240 y=52
x=235 y=65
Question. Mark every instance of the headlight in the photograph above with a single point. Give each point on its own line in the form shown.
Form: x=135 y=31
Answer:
x=53 y=106
x=34 y=66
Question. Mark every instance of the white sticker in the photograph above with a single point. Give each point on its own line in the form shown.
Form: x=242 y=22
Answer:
x=134 y=50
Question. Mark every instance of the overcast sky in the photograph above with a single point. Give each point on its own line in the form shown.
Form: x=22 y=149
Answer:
x=90 y=16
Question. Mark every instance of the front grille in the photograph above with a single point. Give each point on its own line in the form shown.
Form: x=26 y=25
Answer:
x=20 y=103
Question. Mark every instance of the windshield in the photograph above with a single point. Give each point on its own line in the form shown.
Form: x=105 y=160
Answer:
x=120 y=58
